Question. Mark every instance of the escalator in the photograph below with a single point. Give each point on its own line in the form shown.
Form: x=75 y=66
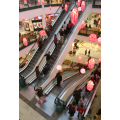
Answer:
x=66 y=45
x=68 y=91
x=38 y=55
x=69 y=77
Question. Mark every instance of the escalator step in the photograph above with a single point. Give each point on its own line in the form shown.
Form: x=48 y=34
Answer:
x=30 y=66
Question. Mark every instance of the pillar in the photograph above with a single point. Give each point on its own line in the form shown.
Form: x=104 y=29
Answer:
x=30 y=23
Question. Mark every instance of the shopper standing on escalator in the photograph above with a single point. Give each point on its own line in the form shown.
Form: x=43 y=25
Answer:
x=50 y=29
x=77 y=95
x=81 y=110
x=40 y=42
x=37 y=71
x=55 y=40
x=62 y=35
x=59 y=78
x=63 y=5
x=48 y=56
x=71 y=109
x=69 y=26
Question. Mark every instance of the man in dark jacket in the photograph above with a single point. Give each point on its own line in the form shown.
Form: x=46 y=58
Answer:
x=40 y=43
x=59 y=78
x=50 y=29
x=77 y=95
x=62 y=35
x=48 y=56
x=37 y=71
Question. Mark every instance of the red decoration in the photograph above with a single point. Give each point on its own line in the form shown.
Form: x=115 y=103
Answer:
x=66 y=7
x=99 y=61
x=46 y=20
x=99 y=41
x=92 y=38
x=39 y=2
x=74 y=16
x=83 y=5
x=23 y=18
x=59 y=67
x=41 y=26
x=49 y=17
x=79 y=27
x=86 y=62
x=78 y=3
x=42 y=2
x=90 y=85
x=79 y=9
x=82 y=70
x=25 y=0
x=91 y=63
x=42 y=33
x=25 y=42
x=30 y=25
x=50 y=7
x=79 y=59
x=83 y=24
x=85 y=56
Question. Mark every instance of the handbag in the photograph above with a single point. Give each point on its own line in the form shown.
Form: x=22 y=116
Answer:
x=37 y=98
x=61 y=83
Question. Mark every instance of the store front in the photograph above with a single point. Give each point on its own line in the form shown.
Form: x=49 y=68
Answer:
x=49 y=17
x=92 y=25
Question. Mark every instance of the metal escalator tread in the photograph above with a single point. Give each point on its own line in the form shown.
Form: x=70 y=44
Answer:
x=30 y=66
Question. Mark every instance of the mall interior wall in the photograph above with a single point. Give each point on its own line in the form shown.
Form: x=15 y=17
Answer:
x=36 y=12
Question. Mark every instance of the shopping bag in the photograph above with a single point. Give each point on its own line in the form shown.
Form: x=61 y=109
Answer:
x=37 y=98
x=61 y=83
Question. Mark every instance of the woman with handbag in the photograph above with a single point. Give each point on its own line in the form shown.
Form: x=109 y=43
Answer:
x=40 y=94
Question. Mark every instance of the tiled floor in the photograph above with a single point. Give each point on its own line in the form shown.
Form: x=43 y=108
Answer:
x=95 y=53
x=28 y=113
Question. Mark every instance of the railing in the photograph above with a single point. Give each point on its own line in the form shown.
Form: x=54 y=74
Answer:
x=33 y=4
x=27 y=54
x=37 y=47
x=91 y=98
x=22 y=46
x=65 y=43
x=43 y=57
x=86 y=32
x=96 y=6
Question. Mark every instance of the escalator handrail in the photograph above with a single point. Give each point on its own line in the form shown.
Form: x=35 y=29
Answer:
x=64 y=88
x=52 y=17
x=80 y=85
x=77 y=88
x=43 y=39
x=27 y=55
x=53 y=79
x=42 y=58
x=69 y=35
x=90 y=100
x=53 y=65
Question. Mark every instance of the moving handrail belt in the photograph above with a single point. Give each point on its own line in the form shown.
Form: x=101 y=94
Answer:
x=35 y=43
x=47 y=46
x=65 y=94
x=43 y=85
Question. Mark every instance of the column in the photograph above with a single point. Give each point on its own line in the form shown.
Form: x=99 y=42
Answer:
x=30 y=23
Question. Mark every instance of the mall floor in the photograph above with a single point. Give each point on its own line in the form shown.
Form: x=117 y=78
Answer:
x=28 y=106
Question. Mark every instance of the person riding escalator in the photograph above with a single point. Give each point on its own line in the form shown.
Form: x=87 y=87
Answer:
x=59 y=78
